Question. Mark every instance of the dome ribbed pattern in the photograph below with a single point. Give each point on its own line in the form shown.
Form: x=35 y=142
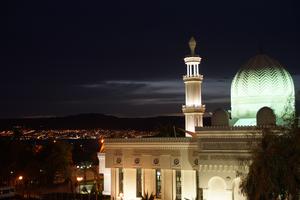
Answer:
x=261 y=82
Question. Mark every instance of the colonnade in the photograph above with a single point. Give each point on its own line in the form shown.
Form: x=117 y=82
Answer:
x=171 y=186
x=192 y=70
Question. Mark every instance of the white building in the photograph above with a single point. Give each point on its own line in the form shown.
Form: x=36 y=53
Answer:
x=207 y=165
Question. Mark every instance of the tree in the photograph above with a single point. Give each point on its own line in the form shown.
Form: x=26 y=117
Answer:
x=274 y=170
x=56 y=158
x=15 y=156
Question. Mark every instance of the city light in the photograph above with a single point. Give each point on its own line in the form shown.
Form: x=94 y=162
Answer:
x=77 y=134
x=20 y=178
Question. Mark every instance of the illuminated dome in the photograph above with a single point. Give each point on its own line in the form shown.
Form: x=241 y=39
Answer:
x=262 y=82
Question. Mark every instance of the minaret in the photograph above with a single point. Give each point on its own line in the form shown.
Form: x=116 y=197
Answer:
x=193 y=108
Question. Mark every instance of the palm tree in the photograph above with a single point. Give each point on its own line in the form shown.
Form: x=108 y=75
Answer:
x=147 y=196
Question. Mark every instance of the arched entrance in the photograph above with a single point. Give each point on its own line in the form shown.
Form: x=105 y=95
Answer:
x=217 y=189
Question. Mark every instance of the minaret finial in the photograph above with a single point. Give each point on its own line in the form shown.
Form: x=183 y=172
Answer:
x=192 y=44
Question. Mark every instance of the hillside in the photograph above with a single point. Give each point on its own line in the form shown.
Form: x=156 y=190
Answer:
x=91 y=121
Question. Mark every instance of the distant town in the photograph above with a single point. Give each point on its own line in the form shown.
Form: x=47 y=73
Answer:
x=31 y=134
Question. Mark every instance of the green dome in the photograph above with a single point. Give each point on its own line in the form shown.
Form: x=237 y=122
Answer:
x=262 y=82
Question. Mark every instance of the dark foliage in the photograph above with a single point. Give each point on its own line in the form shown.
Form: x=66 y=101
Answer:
x=275 y=167
x=38 y=164
x=146 y=196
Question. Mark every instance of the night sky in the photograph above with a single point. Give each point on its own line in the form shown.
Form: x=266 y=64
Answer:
x=125 y=58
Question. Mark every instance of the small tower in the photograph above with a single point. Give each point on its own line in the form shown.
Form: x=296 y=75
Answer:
x=193 y=108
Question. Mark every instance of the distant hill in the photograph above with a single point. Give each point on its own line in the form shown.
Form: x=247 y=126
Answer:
x=91 y=121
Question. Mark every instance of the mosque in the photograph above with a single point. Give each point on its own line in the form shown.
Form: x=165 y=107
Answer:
x=207 y=163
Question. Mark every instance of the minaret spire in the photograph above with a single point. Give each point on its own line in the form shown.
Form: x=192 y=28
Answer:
x=193 y=108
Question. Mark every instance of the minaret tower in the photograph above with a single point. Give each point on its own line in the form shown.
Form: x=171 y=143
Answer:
x=193 y=108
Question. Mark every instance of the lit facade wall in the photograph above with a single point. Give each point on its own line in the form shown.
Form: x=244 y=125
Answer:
x=214 y=157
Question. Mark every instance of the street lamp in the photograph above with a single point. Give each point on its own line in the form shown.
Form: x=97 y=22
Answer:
x=79 y=178
x=20 y=184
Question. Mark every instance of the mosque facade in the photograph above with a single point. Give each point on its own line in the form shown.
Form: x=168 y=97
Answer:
x=208 y=162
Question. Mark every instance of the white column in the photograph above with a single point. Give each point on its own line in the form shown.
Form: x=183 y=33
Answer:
x=197 y=70
x=149 y=181
x=114 y=183
x=129 y=182
x=106 y=174
x=190 y=69
x=167 y=184
x=187 y=70
x=188 y=184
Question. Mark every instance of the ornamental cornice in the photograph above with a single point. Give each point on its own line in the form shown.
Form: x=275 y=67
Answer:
x=197 y=78
x=243 y=136
x=238 y=128
x=228 y=156
x=225 y=146
x=222 y=168
x=192 y=59
x=229 y=139
x=151 y=140
x=193 y=109
x=152 y=143
x=153 y=146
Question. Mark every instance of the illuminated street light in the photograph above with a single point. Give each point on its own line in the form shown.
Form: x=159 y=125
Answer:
x=20 y=178
x=79 y=178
